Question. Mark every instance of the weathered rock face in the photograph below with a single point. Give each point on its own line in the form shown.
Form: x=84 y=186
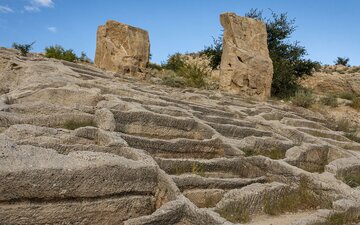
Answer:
x=246 y=67
x=335 y=80
x=121 y=152
x=122 y=48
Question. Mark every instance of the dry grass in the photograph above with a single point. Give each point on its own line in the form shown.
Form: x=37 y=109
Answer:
x=294 y=200
x=173 y=81
x=342 y=218
x=197 y=169
x=329 y=100
x=355 y=104
x=303 y=98
x=290 y=200
x=350 y=130
x=75 y=124
x=347 y=95
x=352 y=180
x=9 y=100
x=236 y=213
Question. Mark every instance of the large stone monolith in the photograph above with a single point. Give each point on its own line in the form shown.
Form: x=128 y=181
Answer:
x=246 y=67
x=122 y=48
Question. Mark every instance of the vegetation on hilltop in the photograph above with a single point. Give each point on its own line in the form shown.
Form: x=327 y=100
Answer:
x=342 y=61
x=23 y=48
x=288 y=58
x=58 y=52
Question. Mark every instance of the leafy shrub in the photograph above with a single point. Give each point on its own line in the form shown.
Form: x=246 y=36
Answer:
x=193 y=74
x=185 y=74
x=329 y=100
x=174 y=63
x=303 y=98
x=342 y=61
x=214 y=52
x=23 y=48
x=288 y=58
x=58 y=52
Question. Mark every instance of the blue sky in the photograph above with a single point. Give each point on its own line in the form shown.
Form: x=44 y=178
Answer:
x=327 y=28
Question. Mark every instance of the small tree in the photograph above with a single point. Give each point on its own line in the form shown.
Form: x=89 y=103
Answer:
x=23 y=48
x=214 y=52
x=342 y=61
x=174 y=62
x=59 y=52
x=55 y=52
x=288 y=58
x=84 y=58
x=185 y=74
x=69 y=55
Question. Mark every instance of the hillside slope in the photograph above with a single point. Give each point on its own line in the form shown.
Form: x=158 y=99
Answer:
x=80 y=146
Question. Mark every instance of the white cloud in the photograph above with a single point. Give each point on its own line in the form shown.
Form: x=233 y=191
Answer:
x=30 y=8
x=35 y=5
x=52 y=29
x=43 y=3
x=5 y=9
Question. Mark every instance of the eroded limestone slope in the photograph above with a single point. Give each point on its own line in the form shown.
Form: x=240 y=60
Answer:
x=80 y=146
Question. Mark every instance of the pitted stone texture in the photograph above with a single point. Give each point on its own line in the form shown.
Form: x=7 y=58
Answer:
x=168 y=144
x=36 y=173
x=105 y=120
x=246 y=68
x=122 y=48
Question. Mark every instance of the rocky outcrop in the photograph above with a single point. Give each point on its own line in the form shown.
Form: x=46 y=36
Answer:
x=122 y=48
x=334 y=80
x=246 y=68
x=117 y=151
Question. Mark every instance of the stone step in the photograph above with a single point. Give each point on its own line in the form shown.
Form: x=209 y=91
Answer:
x=191 y=181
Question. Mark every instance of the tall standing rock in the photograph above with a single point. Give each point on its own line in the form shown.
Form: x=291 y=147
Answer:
x=246 y=67
x=122 y=48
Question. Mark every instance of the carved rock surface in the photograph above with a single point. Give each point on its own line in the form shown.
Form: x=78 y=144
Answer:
x=79 y=146
x=246 y=68
x=122 y=48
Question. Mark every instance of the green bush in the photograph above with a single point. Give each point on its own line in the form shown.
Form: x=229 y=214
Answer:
x=23 y=48
x=288 y=58
x=58 y=52
x=190 y=75
x=342 y=61
x=214 y=52
x=174 y=62
x=303 y=98
x=193 y=74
